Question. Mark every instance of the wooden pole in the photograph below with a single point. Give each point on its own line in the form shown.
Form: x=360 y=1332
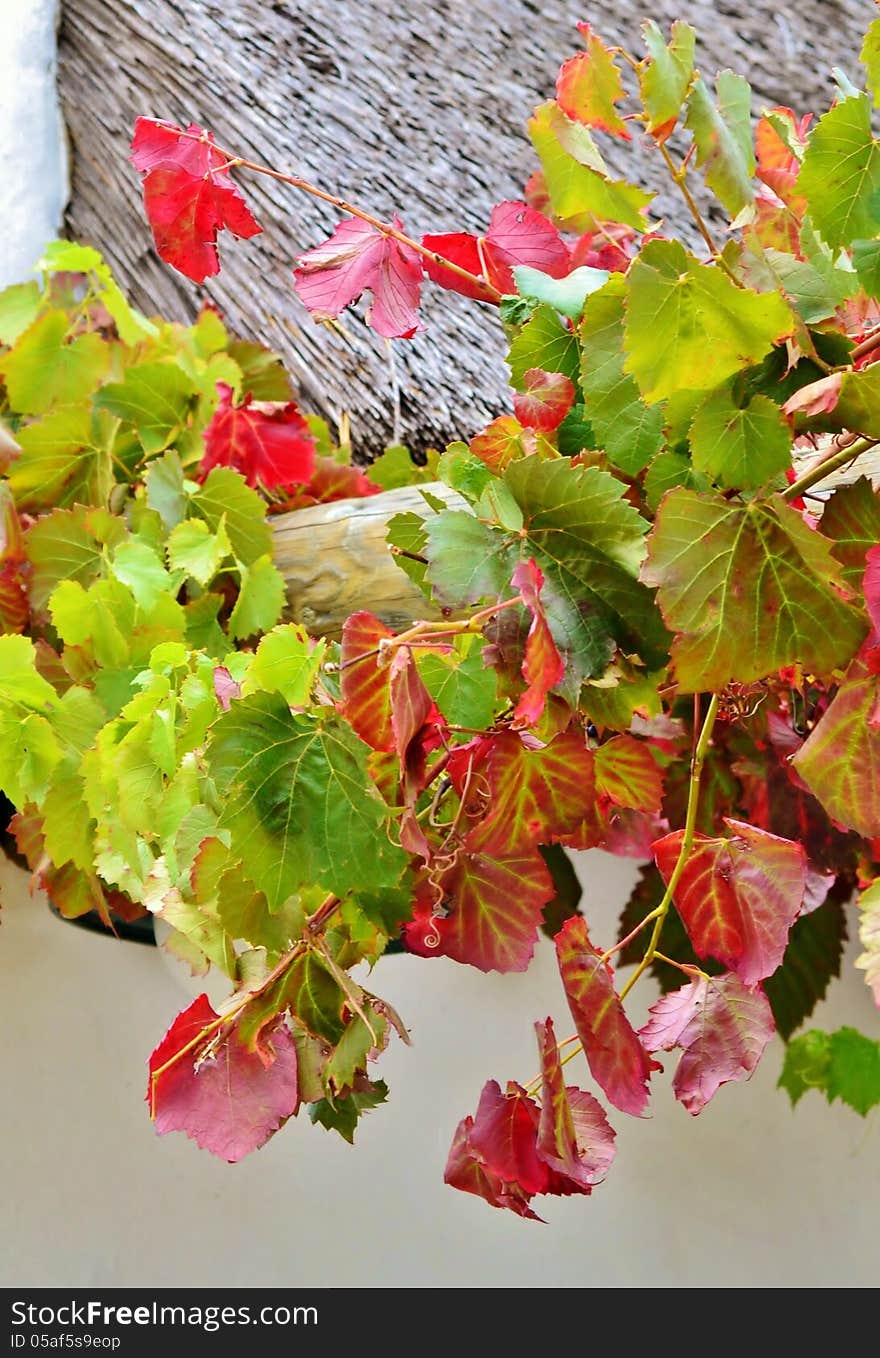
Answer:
x=335 y=560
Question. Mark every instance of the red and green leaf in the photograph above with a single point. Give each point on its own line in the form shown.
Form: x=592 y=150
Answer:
x=739 y=896
x=615 y=1055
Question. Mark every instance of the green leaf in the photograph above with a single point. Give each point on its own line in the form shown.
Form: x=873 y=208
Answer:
x=748 y=589
x=102 y=616
x=870 y=59
x=462 y=688
x=29 y=754
x=543 y=342
x=710 y=327
x=466 y=559
x=566 y=885
x=630 y=431
x=665 y=79
x=851 y=519
x=287 y=662
x=225 y=493
x=155 y=398
x=341 y=1114
x=858 y=405
x=19 y=305
x=866 y=258
x=575 y=434
x=353 y=1049
x=194 y=549
x=459 y=469
x=20 y=680
x=840 y=174
x=812 y=958
x=314 y=997
x=262 y=372
x=68 y=545
x=260 y=600
x=67 y=825
x=816 y=285
x=563 y=294
x=581 y=190
x=844 y=1065
x=740 y=446
x=394 y=467
x=165 y=489
x=141 y=569
x=43 y=371
x=667 y=471
x=840 y=759
x=64 y=461
x=299 y=801
x=723 y=137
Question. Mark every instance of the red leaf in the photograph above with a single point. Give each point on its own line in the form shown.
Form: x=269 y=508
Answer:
x=871 y=586
x=502 y=441
x=547 y=399
x=525 y=796
x=466 y=1170
x=589 y=85
x=542 y=664
x=356 y=258
x=722 y=1028
x=517 y=234
x=575 y=1139
x=488 y=913
x=414 y=721
x=267 y=441
x=225 y=687
x=504 y=1135
x=617 y=1059
x=776 y=166
x=366 y=701
x=628 y=774
x=613 y=250
x=817 y=398
x=14 y=608
x=188 y=196
x=330 y=480
x=738 y=897
x=227 y=1099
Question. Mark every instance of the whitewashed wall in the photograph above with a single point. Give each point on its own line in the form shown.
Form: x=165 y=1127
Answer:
x=749 y=1194
x=33 y=170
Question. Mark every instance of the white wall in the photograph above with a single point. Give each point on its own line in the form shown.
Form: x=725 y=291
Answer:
x=750 y=1194
x=33 y=171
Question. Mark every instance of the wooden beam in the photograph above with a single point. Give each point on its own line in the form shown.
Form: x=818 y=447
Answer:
x=335 y=560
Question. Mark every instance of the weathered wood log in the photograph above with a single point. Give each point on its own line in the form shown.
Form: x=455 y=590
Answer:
x=335 y=560
x=413 y=107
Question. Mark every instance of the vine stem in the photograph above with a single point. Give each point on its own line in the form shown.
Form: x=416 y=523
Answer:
x=867 y=346
x=687 y=842
x=429 y=633
x=491 y=294
x=827 y=466
x=313 y=925
x=679 y=177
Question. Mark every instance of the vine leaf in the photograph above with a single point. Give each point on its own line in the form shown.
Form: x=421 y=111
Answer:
x=523 y=796
x=575 y=1139
x=45 y=369
x=871 y=586
x=356 y=258
x=506 y=1130
x=844 y=1065
x=711 y=327
x=840 y=759
x=616 y=1057
x=589 y=85
x=580 y=188
x=517 y=234
x=490 y=912
x=665 y=79
x=812 y=958
x=748 y=588
x=628 y=775
x=366 y=697
x=225 y=1098
x=630 y=431
x=273 y=768
x=155 y=397
x=869 y=937
x=269 y=442
x=740 y=446
x=738 y=897
x=545 y=400
x=188 y=195
x=723 y=137
x=840 y=175
x=542 y=665
x=722 y=1028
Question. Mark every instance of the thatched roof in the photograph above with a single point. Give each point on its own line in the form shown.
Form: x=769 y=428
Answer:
x=417 y=107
